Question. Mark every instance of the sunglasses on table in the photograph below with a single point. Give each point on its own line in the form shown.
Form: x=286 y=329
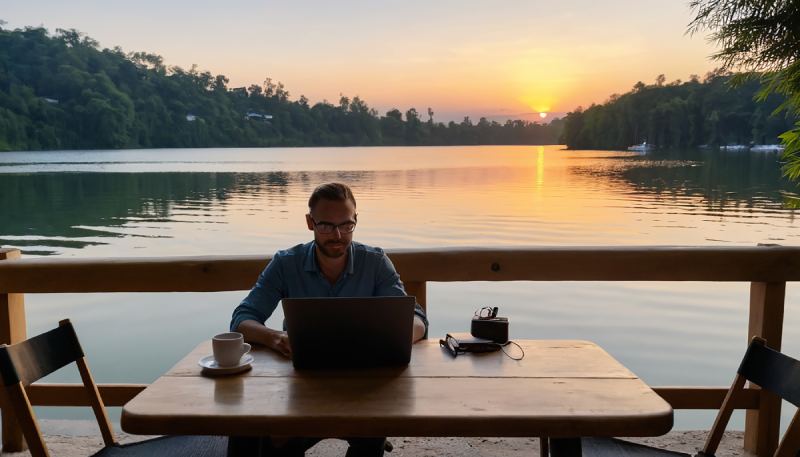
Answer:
x=451 y=345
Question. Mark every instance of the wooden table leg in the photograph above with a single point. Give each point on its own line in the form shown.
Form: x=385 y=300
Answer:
x=544 y=446
x=565 y=447
x=244 y=446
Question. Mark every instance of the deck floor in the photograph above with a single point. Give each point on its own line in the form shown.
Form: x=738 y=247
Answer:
x=73 y=438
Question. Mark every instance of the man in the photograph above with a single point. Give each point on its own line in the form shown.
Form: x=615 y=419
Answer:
x=332 y=265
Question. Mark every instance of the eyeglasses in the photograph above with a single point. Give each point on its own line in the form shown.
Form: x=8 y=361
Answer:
x=486 y=312
x=327 y=227
x=451 y=345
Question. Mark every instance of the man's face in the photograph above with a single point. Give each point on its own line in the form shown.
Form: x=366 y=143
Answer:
x=336 y=213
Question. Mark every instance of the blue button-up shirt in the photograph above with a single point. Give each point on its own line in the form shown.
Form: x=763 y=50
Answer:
x=294 y=273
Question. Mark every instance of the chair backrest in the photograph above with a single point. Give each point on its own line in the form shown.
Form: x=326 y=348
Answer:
x=37 y=357
x=28 y=361
x=774 y=372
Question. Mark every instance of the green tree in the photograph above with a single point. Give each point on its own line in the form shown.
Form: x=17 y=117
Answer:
x=413 y=127
x=762 y=38
x=62 y=91
x=392 y=127
x=679 y=114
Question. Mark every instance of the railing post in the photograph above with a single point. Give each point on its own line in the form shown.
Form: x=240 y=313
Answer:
x=12 y=330
x=419 y=290
x=762 y=425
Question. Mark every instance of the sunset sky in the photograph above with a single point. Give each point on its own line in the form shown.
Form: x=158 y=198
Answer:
x=510 y=58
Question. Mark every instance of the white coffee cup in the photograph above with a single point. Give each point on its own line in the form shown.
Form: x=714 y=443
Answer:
x=229 y=348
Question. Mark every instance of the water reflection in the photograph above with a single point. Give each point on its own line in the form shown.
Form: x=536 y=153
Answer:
x=78 y=210
x=470 y=196
x=705 y=189
x=539 y=167
x=197 y=202
x=722 y=179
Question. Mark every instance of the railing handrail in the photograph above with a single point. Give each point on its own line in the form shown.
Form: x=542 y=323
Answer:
x=766 y=267
x=585 y=263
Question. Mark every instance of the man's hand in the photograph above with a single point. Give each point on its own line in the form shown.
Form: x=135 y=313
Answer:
x=279 y=342
x=256 y=332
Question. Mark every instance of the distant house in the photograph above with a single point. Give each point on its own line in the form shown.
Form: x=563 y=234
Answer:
x=259 y=116
x=52 y=101
x=191 y=117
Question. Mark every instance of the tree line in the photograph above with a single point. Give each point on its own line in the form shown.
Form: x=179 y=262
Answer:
x=61 y=91
x=681 y=114
x=761 y=38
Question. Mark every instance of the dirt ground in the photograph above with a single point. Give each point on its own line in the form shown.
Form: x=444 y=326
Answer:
x=80 y=439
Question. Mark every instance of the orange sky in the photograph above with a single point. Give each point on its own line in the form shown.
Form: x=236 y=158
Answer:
x=459 y=57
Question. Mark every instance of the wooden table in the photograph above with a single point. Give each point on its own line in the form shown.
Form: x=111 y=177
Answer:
x=561 y=389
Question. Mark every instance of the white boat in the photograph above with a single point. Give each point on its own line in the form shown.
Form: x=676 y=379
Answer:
x=734 y=147
x=767 y=148
x=644 y=147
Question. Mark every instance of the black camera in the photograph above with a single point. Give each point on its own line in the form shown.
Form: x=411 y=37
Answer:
x=487 y=325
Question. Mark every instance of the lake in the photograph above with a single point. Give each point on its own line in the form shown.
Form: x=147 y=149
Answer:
x=253 y=201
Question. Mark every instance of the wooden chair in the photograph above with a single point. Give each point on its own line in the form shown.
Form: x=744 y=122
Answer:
x=24 y=363
x=766 y=367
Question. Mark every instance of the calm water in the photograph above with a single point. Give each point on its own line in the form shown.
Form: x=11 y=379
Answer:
x=252 y=201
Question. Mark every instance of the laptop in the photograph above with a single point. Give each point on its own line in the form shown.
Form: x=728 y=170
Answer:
x=349 y=332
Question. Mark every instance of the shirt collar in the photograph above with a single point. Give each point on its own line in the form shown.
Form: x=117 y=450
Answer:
x=310 y=263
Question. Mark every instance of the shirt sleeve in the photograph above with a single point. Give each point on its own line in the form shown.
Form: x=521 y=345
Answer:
x=263 y=298
x=390 y=285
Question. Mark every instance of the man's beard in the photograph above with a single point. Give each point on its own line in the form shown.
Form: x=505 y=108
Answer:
x=325 y=250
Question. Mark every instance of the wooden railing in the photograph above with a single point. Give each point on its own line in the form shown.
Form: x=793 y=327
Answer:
x=767 y=268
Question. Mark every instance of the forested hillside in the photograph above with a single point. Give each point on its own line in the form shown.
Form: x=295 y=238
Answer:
x=62 y=91
x=680 y=114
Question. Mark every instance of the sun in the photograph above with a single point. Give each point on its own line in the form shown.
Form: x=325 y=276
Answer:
x=543 y=115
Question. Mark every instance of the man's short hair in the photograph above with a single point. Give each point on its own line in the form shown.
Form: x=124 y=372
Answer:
x=335 y=191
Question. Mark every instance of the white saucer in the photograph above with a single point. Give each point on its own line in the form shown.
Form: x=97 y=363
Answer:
x=210 y=366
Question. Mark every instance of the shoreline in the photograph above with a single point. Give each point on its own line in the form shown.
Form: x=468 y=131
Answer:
x=79 y=438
